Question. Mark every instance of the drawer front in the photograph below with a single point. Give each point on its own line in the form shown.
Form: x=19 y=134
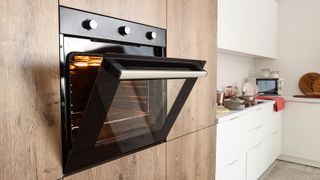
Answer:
x=275 y=121
x=256 y=135
x=259 y=116
x=260 y=125
x=236 y=170
x=262 y=155
x=230 y=141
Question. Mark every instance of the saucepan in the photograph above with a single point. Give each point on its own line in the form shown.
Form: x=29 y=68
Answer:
x=248 y=98
x=234 y=103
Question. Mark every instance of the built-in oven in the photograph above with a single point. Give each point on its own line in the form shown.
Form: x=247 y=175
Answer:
x=119 y=92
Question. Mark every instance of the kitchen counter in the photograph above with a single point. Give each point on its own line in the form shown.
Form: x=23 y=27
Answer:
x=305 y=100
x=223 y=117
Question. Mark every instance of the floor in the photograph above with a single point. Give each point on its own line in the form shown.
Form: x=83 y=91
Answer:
x=282 y=170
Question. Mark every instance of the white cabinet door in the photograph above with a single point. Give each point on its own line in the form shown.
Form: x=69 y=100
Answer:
x=230 y=26
x=236 y=170
x=302 y=131
x=230 y=141
x=264 y=37
x=248 y=26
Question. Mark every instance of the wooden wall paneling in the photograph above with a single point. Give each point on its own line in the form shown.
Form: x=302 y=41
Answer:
x=144 y=165
x=29 y=101
x=192 y=30
x=192 y=157
x=143 y=11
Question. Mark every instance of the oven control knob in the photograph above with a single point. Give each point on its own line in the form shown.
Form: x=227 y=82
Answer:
x=90 y=24
x=124 y=30
x=151 y=35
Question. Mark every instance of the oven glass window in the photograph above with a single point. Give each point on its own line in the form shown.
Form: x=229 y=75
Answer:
x=138 y=109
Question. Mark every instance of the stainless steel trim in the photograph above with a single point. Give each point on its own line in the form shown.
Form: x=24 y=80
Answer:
x=160 y=74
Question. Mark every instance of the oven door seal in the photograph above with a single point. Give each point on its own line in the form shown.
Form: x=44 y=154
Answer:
x=113 y=69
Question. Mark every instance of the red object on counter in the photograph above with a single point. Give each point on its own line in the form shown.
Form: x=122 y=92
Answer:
x=280 y=102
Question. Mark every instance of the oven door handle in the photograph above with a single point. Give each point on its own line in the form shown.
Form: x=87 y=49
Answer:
x=160 y=74
x=128 y=67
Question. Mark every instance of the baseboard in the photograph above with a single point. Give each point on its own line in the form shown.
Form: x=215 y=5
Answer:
x=299 y=160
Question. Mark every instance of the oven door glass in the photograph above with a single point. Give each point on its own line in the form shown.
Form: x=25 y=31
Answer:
x=123 y=103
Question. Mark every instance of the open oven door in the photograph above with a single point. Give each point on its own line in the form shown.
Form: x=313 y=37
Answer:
x=100 y=137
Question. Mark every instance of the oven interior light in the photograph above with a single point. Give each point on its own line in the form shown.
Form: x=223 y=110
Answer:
x=84 y=61
x=80 y=64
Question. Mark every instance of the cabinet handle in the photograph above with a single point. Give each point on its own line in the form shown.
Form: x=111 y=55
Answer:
x=274 y=132
x=232 y=162
x=258 y=127
x=259 y=109
x=257 y=145
x=234 y=118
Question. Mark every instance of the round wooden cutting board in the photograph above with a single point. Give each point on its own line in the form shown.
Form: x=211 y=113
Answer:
x=316 y=86
x=306 y=83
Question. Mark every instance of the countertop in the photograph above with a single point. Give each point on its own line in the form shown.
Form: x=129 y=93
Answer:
x=304 y=100
x=220 y=118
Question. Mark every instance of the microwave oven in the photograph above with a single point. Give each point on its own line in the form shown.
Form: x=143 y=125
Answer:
x=268 y=86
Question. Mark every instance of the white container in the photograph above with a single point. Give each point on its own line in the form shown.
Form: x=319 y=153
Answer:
x=265 y=72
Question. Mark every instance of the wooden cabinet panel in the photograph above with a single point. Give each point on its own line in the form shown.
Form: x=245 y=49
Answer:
x=144 y=165
x=191 y=34
x=143 y=11
x=192 y=157
x=29 y=101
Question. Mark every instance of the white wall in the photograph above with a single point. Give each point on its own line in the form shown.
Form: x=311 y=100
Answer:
x=233 y=70
x=298 y=42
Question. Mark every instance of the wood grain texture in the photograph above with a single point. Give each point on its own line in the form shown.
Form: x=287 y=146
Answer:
x=306 y=82
x=144 y=165
x=191 y=26
x=143 y=11
x=316 y=86
x=29 y=101
x=192 y=157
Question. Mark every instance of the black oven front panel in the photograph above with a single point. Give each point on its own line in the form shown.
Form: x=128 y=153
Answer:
x=114 y=87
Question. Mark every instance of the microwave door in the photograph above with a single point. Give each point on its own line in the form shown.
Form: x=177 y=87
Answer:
x=267 y=86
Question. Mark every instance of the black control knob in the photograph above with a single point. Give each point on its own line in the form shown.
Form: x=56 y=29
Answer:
x=124 y=30
x=151 y=35
x=90 y=24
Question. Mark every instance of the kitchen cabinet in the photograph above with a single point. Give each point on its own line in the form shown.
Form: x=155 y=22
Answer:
x=248 y=144
x=143 y=11
x=230 y=145
x=191 y=33
x=262 y=155
x=132 y=166
x=29 y=102
x=236 y=169
x=192 y=157
x=300 y=133
x=30 y=129
x=248 y=27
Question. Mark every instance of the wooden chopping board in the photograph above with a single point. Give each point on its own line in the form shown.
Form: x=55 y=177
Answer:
x=306 y=83
x=316 y=86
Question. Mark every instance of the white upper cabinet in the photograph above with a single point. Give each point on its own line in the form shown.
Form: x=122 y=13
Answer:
x=248 y=27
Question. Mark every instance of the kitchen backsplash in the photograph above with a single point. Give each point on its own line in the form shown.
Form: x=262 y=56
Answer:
x=233 y=70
